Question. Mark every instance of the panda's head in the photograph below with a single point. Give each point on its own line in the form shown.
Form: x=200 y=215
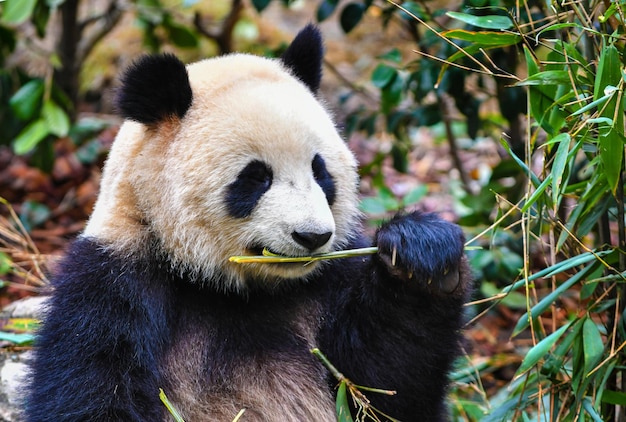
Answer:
x=226 y=157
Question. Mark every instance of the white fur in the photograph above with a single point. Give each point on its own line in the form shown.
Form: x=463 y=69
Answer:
x=169 y=182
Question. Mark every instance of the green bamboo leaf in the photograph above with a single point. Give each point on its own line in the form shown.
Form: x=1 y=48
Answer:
x=56 y=119
x=383 y=75
x=533 y=177
x=558 y=26
x=609 y=72
x=483 y=38
x=611 y=150
x=537 y=194
x=25 y=102
x=391 y=95
x=548 y=77
x=351 y=15
x=593 y=347
x=558 y=166
x=28 y=138
x=554 y=363
x=15 y=12
x=548 y=300
x=588 y=406
x=614 y=397
x=558 y=268
x=592 y=104
x=488 y=21
x=541 y=98
x=180 y=35
x=342 y=406
x=539 y=350
x=611 y=142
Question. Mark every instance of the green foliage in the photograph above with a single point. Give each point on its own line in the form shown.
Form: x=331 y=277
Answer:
x=572 y=208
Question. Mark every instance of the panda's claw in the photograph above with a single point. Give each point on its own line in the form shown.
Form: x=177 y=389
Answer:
x=422 y=248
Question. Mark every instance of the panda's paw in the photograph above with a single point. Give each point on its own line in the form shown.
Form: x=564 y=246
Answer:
x=422 y=248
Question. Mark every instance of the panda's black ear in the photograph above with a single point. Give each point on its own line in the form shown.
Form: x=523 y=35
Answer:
x=154 y=88
x=304 y=57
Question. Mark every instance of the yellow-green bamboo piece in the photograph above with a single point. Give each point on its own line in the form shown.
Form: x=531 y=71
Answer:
x=269 y=257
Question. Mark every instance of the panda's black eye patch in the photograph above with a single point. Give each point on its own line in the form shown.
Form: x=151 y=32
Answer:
x=252 y=182
x=323 y=178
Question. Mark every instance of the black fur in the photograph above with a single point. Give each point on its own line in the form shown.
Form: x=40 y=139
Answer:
x=243 y=194
x=323 y=178
x=153 y=89
x=304 y=57
x=112 y=320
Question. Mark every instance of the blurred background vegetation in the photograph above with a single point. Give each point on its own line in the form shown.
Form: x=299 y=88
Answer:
x=505 y=116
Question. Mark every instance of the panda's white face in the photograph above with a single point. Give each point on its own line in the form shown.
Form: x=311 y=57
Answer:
x=254 y=163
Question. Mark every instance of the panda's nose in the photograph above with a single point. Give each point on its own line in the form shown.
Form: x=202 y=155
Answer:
x=311 y=240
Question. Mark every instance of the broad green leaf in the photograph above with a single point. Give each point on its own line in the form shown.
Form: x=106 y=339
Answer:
x=614 y=397
x=56 y=119
x=28 y=138
x=548 y=77
x=391 y=95
x=540 y=100
x=593 y=347
x=611 y=149
x=483 y=38
x=383 y=75
x=488 y=22
x=559 y=164
x=608 y=70
x=539 y=350
x=180 y=35
x=26 y=101
x=15 y=12
x=611 y=144
x=342 y=407
x=554 y=363
x=351 y=15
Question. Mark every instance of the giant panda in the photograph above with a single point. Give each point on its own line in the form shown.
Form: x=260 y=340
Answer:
x=225 y=157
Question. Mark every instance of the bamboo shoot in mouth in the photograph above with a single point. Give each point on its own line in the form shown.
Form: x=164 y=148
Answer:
x=271 y=258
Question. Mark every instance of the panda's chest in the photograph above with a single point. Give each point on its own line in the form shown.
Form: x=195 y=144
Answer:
x=230 y=357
